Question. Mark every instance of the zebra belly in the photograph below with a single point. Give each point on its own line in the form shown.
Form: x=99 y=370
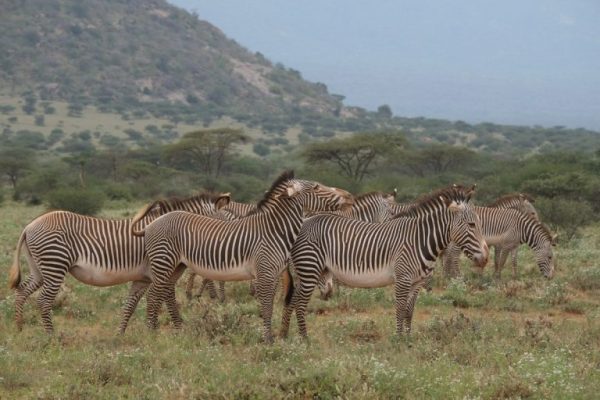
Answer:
x=101 y=276
x=368 y=279
x=241 y=272
x=494 y=240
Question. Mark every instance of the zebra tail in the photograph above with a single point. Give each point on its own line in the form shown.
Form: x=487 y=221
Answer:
x=14 y=277
x=288 y=285
x=138 y=217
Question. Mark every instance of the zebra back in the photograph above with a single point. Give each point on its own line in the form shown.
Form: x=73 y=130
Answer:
x=204 y=203
x=518 y=201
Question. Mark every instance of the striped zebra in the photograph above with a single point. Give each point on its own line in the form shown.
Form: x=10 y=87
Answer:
x=233 y=210
x=253 y=247
x=522 y=203
x=507 y=229
x=373 y=206
x=98 y=252
x=401 y=251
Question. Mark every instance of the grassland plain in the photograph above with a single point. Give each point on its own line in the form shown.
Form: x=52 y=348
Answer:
x=472 y=338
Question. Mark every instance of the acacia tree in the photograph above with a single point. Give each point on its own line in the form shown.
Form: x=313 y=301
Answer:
x=14 y=162
x=355 y=155
x=437 y=159
x=204 y=150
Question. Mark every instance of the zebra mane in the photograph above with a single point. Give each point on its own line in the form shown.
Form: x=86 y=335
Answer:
x=176 y=202
x=284 y=177
x=431 y=200
x=370 y=194
x=508 y=198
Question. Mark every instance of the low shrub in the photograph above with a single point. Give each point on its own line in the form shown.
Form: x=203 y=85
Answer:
x=81 y=201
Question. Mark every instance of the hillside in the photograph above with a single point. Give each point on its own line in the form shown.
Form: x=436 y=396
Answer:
x=132 y=53
x=146 y=71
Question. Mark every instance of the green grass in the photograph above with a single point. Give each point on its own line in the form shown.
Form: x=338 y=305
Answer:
x=472 y=338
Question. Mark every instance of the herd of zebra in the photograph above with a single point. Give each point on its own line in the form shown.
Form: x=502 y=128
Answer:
x=302 y=230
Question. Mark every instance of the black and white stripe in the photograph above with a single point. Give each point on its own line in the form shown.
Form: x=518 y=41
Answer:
x=401 y=251
x=96 y=251
x=252 y=247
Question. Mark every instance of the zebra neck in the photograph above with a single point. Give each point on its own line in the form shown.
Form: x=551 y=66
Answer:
x=529 y=232
x=434 y=235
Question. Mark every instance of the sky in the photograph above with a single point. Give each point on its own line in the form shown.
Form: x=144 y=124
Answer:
x=532 y=62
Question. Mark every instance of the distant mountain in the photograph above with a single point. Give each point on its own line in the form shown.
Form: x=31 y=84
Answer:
x=124 y=53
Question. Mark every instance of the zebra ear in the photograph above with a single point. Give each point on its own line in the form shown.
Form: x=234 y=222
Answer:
x=223 y=200
x=471 y=191
x=454 y=206
x=394 y=193
x=157 y=206
x=554 y=239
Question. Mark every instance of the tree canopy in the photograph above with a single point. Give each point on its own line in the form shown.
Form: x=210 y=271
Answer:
x=355 y=155
x=204 y=150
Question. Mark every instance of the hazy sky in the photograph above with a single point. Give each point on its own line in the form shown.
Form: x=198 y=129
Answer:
x=512 y=61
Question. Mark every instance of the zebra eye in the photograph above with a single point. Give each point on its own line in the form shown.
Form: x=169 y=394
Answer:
x=471 y=224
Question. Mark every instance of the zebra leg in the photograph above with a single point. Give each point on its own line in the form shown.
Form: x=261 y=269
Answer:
x=500 y=256
x=410 y=304
x=24 y=290
x=158 y=293
x=252 y=288
x=402 y=288
x=514 y=253
x=189 y=287
x=136 y=291
x=266 y=285
x=212 y=292
x=171 y=300
x=46 y=300
x=300 y=301
x=222 y=291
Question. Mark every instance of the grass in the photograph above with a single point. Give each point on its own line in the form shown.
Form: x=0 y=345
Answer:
x=472 y=338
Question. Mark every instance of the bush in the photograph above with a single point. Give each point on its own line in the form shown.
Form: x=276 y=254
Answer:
x=566 y=214
x=81 y=201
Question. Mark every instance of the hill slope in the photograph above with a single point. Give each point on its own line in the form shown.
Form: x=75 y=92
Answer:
x=121 y=53
x=146 y=69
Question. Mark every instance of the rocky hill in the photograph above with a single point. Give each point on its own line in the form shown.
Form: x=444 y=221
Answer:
x=140 y=53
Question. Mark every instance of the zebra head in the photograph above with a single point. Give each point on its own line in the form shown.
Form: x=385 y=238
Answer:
x=543 y=253
x=465 y=228
x=315 y=197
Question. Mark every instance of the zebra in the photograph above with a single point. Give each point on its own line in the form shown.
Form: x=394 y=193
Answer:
x=523 y=203
x=401 y=251
x=255 y=246
x=99 y=252
x=507 y=229
x=375 y=206
x=233 y=210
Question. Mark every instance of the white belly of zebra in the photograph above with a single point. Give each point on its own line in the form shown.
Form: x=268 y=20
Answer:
x=368 y=279
x=95 y=275
x=240 y=272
